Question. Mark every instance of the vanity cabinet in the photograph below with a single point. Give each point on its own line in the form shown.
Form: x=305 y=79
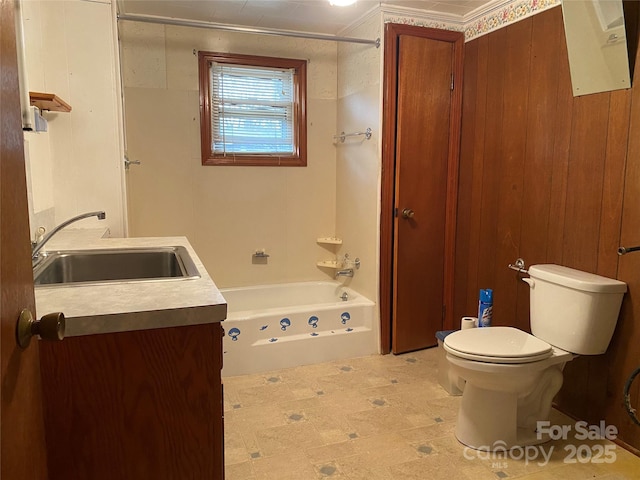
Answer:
x=135 y=405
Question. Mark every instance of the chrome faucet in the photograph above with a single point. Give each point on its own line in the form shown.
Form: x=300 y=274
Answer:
x=347 y=272
x=37 y=246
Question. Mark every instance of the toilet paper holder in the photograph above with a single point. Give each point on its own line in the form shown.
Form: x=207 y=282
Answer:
x=518 y=266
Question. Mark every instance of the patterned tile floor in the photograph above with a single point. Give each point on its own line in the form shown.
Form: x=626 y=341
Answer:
x=381 y=418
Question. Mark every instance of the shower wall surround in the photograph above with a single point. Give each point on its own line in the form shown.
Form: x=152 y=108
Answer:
x=227 y=212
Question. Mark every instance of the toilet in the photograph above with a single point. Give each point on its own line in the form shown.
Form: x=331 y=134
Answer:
x=512 y=376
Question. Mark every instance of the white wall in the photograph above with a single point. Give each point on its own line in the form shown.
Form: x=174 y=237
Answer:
x=76 y=166
x=358 y=160
x=227 y=212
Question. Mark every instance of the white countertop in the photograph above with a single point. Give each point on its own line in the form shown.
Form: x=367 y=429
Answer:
x=130 y=305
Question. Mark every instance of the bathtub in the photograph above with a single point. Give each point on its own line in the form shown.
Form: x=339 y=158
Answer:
x=277 y=326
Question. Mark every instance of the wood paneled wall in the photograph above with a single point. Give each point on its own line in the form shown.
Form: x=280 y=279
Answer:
x=552 y=179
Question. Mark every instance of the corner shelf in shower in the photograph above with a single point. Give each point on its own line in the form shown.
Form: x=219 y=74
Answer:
x=48 y=101
x=330 y=240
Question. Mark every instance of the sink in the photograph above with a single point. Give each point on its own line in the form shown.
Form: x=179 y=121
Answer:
x=114 y=265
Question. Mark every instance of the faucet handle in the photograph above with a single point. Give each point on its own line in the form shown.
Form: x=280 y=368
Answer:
x=39 y=233
x=348 y=263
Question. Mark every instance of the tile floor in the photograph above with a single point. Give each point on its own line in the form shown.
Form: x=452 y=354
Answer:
x=379 y=418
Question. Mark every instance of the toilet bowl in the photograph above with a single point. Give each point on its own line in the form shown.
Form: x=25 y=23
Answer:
x=504 y=396
x=512 y=376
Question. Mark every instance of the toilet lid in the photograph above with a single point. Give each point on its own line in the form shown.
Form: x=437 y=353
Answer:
x=497 y=345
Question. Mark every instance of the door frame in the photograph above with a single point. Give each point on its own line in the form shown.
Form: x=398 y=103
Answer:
x=392 y=33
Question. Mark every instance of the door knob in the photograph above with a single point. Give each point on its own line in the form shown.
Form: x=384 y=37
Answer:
x=50 y=327
x=407 y=213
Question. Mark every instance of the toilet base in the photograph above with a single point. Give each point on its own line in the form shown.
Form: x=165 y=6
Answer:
x=503 y=403
x=487 y=420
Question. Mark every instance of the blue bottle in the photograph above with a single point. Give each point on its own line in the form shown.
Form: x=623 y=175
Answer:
x=485 y=308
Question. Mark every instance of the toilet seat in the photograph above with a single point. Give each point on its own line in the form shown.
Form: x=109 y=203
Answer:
x=497 y=345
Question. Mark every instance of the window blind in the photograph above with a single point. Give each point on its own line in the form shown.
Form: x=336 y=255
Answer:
x=252 y=110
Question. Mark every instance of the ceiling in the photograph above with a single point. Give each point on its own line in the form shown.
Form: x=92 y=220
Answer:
x=302 y=15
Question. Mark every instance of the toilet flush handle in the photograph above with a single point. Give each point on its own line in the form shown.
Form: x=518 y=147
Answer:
x=530 y=281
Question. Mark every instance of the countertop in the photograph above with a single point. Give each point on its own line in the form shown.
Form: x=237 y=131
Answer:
x=130 y=305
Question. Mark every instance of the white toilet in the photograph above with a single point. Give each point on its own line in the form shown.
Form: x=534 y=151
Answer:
x=512 y=376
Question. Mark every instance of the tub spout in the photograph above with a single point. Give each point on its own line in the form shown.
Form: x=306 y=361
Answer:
x=348 y=272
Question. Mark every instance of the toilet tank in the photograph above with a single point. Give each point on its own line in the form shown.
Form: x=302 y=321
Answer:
x=574 y=310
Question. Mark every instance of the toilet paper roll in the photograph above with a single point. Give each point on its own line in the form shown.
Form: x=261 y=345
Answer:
x=468 y=322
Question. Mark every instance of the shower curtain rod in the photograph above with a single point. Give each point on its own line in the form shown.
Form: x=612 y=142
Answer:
x=239 y=28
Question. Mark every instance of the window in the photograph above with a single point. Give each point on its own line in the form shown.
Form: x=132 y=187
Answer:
x=252 y=110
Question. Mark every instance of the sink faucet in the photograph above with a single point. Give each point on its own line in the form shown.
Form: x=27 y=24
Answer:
x=37 y=246
x=348 y=272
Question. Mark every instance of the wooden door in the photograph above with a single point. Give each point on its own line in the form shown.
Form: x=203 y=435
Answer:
x=22 y=450
x=423 y=164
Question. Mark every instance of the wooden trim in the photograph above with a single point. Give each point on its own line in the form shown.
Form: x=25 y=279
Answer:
x=455 y=129
x=253 y=161
x=392 y=34
x=389 y=104
x=299 y=157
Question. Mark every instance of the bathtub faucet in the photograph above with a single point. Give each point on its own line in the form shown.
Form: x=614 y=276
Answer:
x=348 y=272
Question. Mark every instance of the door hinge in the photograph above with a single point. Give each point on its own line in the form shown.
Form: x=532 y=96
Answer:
x=444 y=312
x=452 y=81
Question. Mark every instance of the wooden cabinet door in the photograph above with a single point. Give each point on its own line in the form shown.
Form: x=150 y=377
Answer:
x=137 y=405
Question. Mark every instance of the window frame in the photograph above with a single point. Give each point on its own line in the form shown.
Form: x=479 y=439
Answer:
x=299 y=156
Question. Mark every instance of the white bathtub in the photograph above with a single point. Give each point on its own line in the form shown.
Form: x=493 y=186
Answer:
x=285 y=325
